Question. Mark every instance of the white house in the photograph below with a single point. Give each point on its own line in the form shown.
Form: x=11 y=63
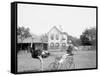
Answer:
x=56 y=38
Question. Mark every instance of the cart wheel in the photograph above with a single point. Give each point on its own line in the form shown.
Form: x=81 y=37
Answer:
x=53 y=66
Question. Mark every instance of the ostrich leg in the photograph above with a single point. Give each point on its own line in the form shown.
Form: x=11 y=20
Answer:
x=41 y=62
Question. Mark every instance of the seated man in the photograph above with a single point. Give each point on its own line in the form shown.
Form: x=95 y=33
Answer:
x=70 y=48
x=68 y=53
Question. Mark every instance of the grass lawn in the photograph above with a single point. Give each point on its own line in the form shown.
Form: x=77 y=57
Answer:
x=82 y=59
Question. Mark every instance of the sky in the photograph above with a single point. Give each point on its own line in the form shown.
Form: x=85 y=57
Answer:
x=41 y=18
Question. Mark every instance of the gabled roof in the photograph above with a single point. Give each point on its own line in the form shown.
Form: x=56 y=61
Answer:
x=55 y=28
x=58 y=30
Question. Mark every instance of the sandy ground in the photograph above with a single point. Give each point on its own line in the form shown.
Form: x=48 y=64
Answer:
x=82 y=59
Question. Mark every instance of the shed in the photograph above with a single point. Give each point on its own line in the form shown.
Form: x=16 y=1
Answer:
x=30 y=41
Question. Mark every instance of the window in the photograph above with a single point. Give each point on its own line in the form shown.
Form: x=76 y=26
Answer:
x=63 y=44
x=52 y=44
x=52 y=36
x=63 y=38
x=57 y=44
x=57 y=37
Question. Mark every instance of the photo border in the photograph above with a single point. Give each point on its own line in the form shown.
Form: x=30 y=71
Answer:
x=14 y=21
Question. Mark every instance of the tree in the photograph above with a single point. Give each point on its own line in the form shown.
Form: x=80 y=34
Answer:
x=75 y=41
x=88 y=37
x=44 y=38
x=23 y=33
